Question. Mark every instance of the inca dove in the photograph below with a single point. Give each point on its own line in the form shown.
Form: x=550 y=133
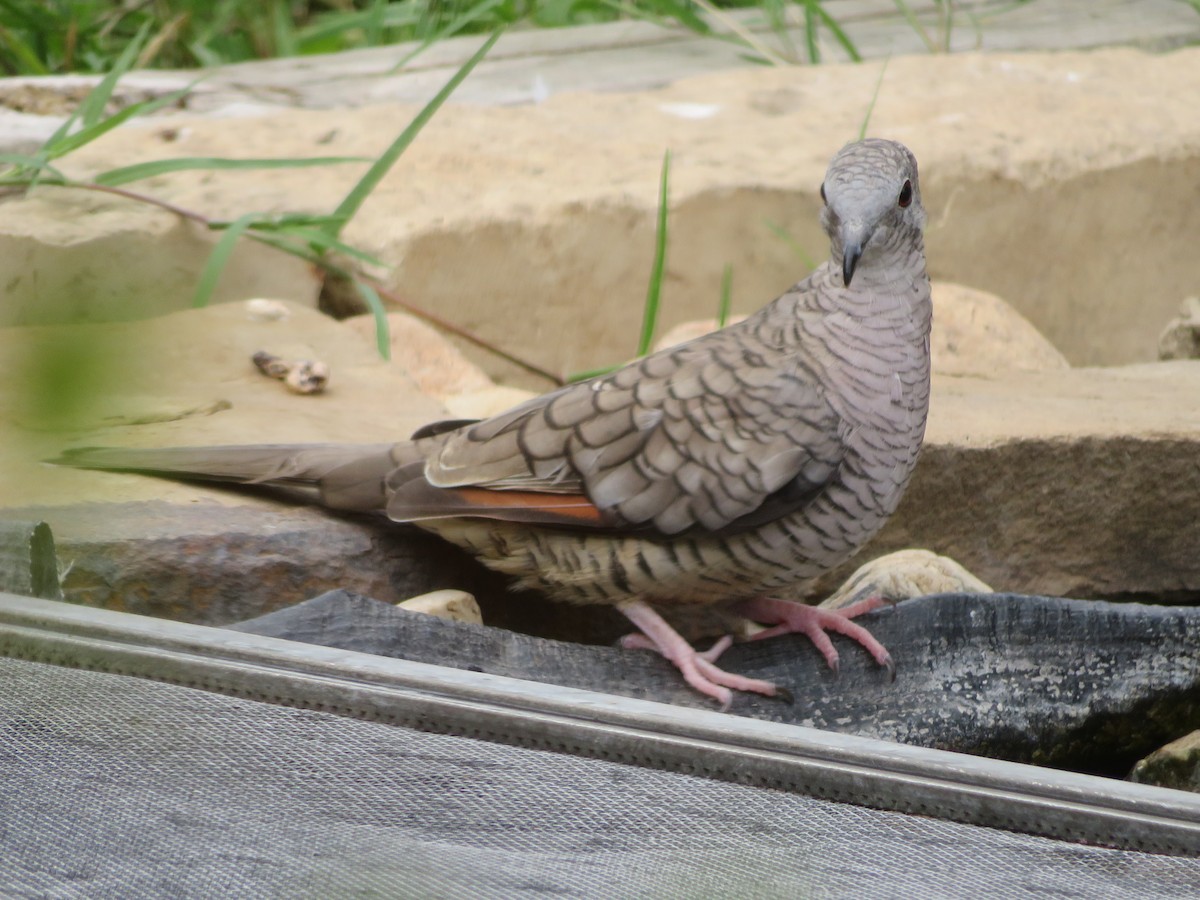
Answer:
x=713 y=472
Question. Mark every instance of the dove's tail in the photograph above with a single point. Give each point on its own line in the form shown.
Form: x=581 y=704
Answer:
x=344 y=476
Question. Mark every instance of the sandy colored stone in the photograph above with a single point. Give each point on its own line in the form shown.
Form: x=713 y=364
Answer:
x=495 y=214
x=977 y=333
x=903 y=575
x=184 y=378
x=75 y=256
x=689 y=331
x=433 y=363
x=1071 y=483
x=974 y=333
x=487 y=402
x=456 y=606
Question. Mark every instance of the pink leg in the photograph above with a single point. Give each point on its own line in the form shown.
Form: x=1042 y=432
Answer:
x=697 y=668
x=789 y=617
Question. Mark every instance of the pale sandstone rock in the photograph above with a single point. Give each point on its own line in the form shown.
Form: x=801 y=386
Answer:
x=456 y=606
x=977 y=333
x=689 y=331
x=974 y=333
x=485 y=403
x=433 y=363
x=903 y=575
x=185 y=378
x=494 y=213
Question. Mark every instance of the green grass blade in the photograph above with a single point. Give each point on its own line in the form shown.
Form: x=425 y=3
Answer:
x=654 y=289
x=91 y=110
x=914 y=23
x=726 y=301
x=450 y=29
x=27 y=58
x=320 y=241
x=359 y=193
x=219 y=258
x=126 y=174
x=784 y=235
x=862 y=131
x=810 y=31
x=590 y=373
x=89 y=133
x=23 y=165
x=383 y=334
x=283 y=31
x=839 y=34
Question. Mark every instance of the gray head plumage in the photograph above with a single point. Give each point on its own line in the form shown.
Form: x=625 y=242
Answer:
x=872 y=200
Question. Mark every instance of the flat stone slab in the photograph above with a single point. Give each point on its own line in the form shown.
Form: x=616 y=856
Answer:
x=533 y=226
x=1068 y=482
x=1081 y=685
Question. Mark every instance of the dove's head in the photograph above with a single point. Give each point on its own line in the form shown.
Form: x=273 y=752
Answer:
x=872 y=202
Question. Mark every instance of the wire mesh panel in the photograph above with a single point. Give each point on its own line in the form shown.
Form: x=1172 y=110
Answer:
x=117 y=786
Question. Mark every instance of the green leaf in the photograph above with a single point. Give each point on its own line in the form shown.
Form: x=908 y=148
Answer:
x=784 y=235
x=22 y=162
x=810 y=31
x=839 y=35
x=450 y=29
x=86 y=135
x=359 y=193
x=726 y=301
x=862 y=131
x=219 y=258
x=654 y=289
x=320 y=241
x=91 y=110
x=590 y=373
x=126 y=174
x=383 y=337
x=30 y=62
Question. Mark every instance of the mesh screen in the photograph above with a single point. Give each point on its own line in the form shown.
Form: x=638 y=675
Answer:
x=112 y=786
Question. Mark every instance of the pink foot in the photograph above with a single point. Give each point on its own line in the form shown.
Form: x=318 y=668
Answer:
x=698 y=669
x=789 y=617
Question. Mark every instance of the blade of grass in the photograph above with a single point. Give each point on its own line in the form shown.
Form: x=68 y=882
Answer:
x=862 y=131
x=726 y=301
x=322 y=243
x=784 y=235
x=283 y=31
x=23 y=163
x=450 y=29
x=810 y=32
x=383 y=333
x=839 y=34
x=91 y=110
x=911 y=18
x=654 y=289
x=218 y=258
x=359 y=193
x=89 y=133
x=126 y=174
x=743 y=34
x=590 y=373
x=30 y=62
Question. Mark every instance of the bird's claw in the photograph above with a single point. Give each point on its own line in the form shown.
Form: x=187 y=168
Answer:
x=790 y=617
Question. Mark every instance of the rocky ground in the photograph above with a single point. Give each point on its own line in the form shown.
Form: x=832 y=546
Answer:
x=1061 y=457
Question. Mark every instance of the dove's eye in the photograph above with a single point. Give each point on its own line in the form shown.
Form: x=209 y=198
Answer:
x=823 y=200
x=905 y=195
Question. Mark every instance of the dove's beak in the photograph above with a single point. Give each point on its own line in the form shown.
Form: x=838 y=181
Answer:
x=855 y=234
x=850 y=255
